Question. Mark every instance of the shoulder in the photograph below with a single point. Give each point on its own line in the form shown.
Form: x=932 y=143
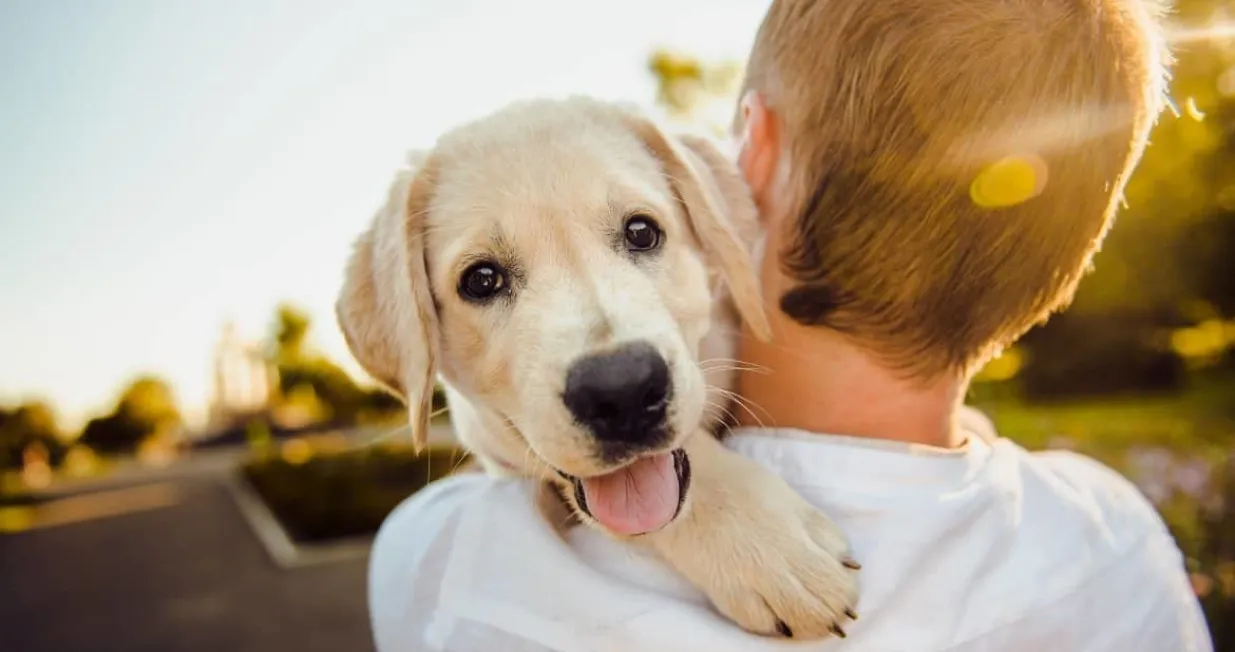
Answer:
x=1097 y=524
x=412 y=551
x=1095 y=493
x=1063 y=489
x=429 y=514
x=476 y=562
x=406 y=540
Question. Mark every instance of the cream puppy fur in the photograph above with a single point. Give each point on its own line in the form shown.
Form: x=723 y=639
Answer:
x=574 y=276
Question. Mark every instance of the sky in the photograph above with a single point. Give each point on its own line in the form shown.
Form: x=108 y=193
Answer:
x=167 y=166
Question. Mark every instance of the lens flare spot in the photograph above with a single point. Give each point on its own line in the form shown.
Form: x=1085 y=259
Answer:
x=1193 y=110
x=1008 y=182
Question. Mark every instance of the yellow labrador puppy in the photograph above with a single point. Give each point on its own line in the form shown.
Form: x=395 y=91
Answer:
x=574 y=276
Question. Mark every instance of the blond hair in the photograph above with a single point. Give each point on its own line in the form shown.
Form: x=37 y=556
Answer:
x=889 y=110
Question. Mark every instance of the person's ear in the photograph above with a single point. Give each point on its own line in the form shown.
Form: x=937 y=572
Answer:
x=760 y=148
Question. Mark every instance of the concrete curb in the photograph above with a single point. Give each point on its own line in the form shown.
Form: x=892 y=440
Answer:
x=279 y=546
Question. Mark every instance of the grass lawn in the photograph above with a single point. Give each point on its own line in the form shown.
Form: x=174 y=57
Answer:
x=1200 y=420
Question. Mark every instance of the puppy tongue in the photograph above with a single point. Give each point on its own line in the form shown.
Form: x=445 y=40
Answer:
x=636 y=499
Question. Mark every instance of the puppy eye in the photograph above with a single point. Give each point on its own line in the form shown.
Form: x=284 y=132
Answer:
x=482 y=281
x=642 y=233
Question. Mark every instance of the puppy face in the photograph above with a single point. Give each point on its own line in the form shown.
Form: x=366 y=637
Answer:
x=571 y=294
x=557 y=263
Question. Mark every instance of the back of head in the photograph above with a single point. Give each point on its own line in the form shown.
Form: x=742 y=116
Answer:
x=953 y=164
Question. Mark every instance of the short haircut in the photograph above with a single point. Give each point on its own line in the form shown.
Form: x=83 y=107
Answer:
x=888 y=110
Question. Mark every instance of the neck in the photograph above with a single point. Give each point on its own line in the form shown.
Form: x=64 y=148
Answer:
x=816 y=380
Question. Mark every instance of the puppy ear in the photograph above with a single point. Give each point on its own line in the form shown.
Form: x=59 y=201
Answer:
x=720 y=211
x=385 y=308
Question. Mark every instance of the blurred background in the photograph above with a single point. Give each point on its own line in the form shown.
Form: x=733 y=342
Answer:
x=189 y=457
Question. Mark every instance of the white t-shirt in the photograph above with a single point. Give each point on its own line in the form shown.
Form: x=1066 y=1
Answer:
x=985 y=548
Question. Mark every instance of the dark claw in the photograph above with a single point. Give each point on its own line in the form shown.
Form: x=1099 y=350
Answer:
x=851 y=614
x=850 y=562
x=784 y=629
x=837 y=630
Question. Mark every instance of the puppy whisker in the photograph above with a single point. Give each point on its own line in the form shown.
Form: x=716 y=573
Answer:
x=398 y=431
x=728 y=415
x=457 y=464
x=722 y=368
x=535 y=464
x=731 y=364
x=746 y=404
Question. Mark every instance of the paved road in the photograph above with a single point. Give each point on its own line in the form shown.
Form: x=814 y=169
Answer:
x=188 y=576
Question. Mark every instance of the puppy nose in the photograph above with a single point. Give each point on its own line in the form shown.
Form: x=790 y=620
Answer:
x=621 y=396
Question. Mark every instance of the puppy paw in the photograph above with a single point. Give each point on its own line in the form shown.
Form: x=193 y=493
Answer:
x=766 y=558
x=801 y=582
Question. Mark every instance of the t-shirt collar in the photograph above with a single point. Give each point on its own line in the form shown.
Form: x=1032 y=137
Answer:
x=807 y=459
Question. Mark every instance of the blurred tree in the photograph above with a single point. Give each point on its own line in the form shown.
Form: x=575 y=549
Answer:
x=1082 y=354
x=315 y=384
x=149 y=400
x=145 y=409
x=291 y=331
x=694 y=91
x=31 y=424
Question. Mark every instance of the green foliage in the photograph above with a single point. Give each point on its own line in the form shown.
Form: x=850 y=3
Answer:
x=1096 y=354
x=1216 y=570
x=693 y=90
x=149 y=400
x=114 y=434
x=307 y=376
x=291 y=329
x=27 y=427
x=344 y=494
x=145 y=409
